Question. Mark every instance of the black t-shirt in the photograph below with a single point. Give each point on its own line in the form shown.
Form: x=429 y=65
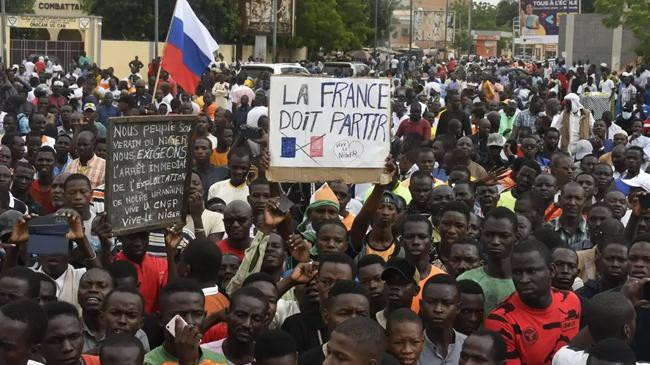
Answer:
x=642 y=336
x=211 y=176
x=31 y=204
x=448 y=115
x=307 y=329
x=314 y=356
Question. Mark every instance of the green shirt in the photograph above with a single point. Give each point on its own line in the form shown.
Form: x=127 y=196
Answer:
x=506 y=123
x=159 y=356
x=494 y=290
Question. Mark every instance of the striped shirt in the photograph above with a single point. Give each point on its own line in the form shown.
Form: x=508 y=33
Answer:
x=94 y=169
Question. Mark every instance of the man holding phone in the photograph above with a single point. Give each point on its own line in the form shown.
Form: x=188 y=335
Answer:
x=181 y=312
x=54 y=250
x=236 y=188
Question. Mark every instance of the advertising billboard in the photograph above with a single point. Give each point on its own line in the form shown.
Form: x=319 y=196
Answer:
x=538 y=19
x=430 y=25
x=259 y=17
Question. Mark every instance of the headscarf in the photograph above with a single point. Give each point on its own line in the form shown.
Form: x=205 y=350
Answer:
x=575 y=102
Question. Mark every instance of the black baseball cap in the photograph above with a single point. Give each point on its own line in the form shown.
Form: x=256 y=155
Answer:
x=402 y=267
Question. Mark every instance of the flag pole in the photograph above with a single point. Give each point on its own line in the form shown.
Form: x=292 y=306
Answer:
x=169 y=29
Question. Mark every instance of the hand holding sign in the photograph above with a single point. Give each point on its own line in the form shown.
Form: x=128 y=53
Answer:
x=328 y=129
x=148 y=172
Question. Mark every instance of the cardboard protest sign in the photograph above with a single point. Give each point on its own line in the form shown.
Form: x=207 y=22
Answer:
x=148 y=171
x=328 y=129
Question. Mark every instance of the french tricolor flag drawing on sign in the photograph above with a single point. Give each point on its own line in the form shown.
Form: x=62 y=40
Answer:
x=190 y=48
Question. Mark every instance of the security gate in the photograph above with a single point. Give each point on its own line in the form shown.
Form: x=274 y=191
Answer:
x=64 y=51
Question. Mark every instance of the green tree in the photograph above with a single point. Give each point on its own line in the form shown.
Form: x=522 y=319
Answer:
x=634 y=14
x=354 y=15
x=484 y=16
x=506 y=11
x=384 y=16
x=19 y=6
x=587 y=6
x=318 y=24
x=134 y=20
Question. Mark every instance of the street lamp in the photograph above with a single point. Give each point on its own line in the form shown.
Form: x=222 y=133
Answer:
x=274 y=18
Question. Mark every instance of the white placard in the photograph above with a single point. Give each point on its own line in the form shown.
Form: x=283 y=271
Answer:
x=329 y=122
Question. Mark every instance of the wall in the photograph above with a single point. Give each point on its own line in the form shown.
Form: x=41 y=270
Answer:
x=613 y=46
x=118 y=54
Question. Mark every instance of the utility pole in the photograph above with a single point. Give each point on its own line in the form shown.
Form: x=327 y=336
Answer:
x=376 y=28
x=5 y=62
x=446 y=24
x=274 y=15
x=410 y=25
x=469 y=28
x=155 y=32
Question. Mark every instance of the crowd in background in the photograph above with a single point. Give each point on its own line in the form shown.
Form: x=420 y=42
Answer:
x=515 y=228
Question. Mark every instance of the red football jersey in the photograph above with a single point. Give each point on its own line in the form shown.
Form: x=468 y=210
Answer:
x=532 y=335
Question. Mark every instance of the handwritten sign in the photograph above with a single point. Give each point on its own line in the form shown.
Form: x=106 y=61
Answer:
x=148 y=171
x=326 y=125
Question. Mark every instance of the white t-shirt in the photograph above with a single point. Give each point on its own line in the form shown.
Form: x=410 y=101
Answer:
x=607 y=86
x=57 y=69
x=168 y=98
x=586 y=88
x=196 y=109
x=212 y=223
x=570 y=356
x=213 y=140
x=228 y=192
x=612 y=130
x=29 y=66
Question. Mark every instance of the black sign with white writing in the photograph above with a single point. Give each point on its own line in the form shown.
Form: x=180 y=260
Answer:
x=148 y=171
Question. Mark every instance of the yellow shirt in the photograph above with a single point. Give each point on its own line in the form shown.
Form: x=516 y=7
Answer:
x=507 y=200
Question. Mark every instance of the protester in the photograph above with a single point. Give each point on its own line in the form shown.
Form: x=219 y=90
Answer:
x=482 y=164
x=538 y=340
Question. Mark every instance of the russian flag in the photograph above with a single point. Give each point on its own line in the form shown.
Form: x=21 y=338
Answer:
x=190 y=48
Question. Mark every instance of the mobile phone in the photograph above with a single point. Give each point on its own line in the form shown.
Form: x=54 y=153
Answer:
x=644 y=201
x=645 y=291
x=47 y=235
x=285 y=204
x=171 y=325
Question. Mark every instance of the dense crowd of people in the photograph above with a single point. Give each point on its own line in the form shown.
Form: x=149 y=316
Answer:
x=515 y=228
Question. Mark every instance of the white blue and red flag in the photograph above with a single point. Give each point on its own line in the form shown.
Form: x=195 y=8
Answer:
x=190 y=48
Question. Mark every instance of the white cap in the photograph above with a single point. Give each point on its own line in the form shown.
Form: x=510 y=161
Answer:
x=581 y=149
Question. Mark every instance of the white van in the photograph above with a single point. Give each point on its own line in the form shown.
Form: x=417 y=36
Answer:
x=255 y=70
x=345 y=69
